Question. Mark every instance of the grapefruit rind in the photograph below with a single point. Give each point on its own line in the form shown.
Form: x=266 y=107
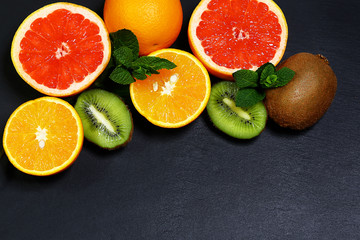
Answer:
x=66 y=164
x=43 y=12
x=224 y=72
x=199 y=110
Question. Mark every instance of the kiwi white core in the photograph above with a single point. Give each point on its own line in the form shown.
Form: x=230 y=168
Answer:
x=41 y=134
x=102 y=119
x=238 y=110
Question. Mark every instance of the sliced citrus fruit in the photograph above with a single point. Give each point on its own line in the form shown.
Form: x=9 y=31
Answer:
x=43 y=136
x=175 y=97
x=61 y=49
x=228 y=35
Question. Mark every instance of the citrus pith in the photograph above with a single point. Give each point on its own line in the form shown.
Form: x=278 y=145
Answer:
x=61 y=48
x=43 y=136
x=175 y=97
x=228 y=35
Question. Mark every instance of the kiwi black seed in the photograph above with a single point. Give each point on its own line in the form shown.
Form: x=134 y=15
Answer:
x=241 y=123
x=305 y=99
x=106 y=120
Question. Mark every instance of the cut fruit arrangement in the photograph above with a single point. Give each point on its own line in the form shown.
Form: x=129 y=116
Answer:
x=62 y=48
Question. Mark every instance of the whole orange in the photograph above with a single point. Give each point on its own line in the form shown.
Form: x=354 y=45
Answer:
x=156 y=23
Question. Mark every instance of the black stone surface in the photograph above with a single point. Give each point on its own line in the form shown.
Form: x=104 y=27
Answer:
x=194 y=182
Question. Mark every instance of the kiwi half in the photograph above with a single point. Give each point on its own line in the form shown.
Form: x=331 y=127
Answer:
x=106 y=120
x=242 y=123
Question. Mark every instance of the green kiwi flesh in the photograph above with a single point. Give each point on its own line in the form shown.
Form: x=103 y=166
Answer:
x=241 y=123
x=305 y=99
x=106 y=120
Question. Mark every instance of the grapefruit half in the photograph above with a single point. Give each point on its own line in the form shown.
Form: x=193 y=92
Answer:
x=61 y=48
x=228 y=35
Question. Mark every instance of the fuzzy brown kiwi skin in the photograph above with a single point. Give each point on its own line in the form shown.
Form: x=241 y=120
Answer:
x=305 y=99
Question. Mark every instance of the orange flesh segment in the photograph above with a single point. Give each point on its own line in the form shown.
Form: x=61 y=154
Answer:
x=61 y=134
x=61 y=48
x=185 y=98
x=246 y=31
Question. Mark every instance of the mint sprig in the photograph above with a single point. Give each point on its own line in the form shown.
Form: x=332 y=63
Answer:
x=253 y=83
x=126 y=65
x=247 y=97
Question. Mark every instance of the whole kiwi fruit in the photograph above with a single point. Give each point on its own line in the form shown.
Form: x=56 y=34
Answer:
x=305 y=99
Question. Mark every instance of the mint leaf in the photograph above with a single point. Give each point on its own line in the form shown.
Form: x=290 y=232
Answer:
x=140 y=73
x=284 y=76
x=121 y=75
x=268 y=70
x=246 y=78
x=251 y=83
x=269 y=82
x=123 y=56
x=147 y=65
x=126 y=63
x=248 y=97
x=262 y=67
x=125 y=38
x=153 y=63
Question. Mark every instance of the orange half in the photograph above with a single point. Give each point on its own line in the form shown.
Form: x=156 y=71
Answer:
x=43 y=136
x=175 y=97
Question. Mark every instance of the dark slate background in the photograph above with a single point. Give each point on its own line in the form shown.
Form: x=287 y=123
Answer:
x=194 y=182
